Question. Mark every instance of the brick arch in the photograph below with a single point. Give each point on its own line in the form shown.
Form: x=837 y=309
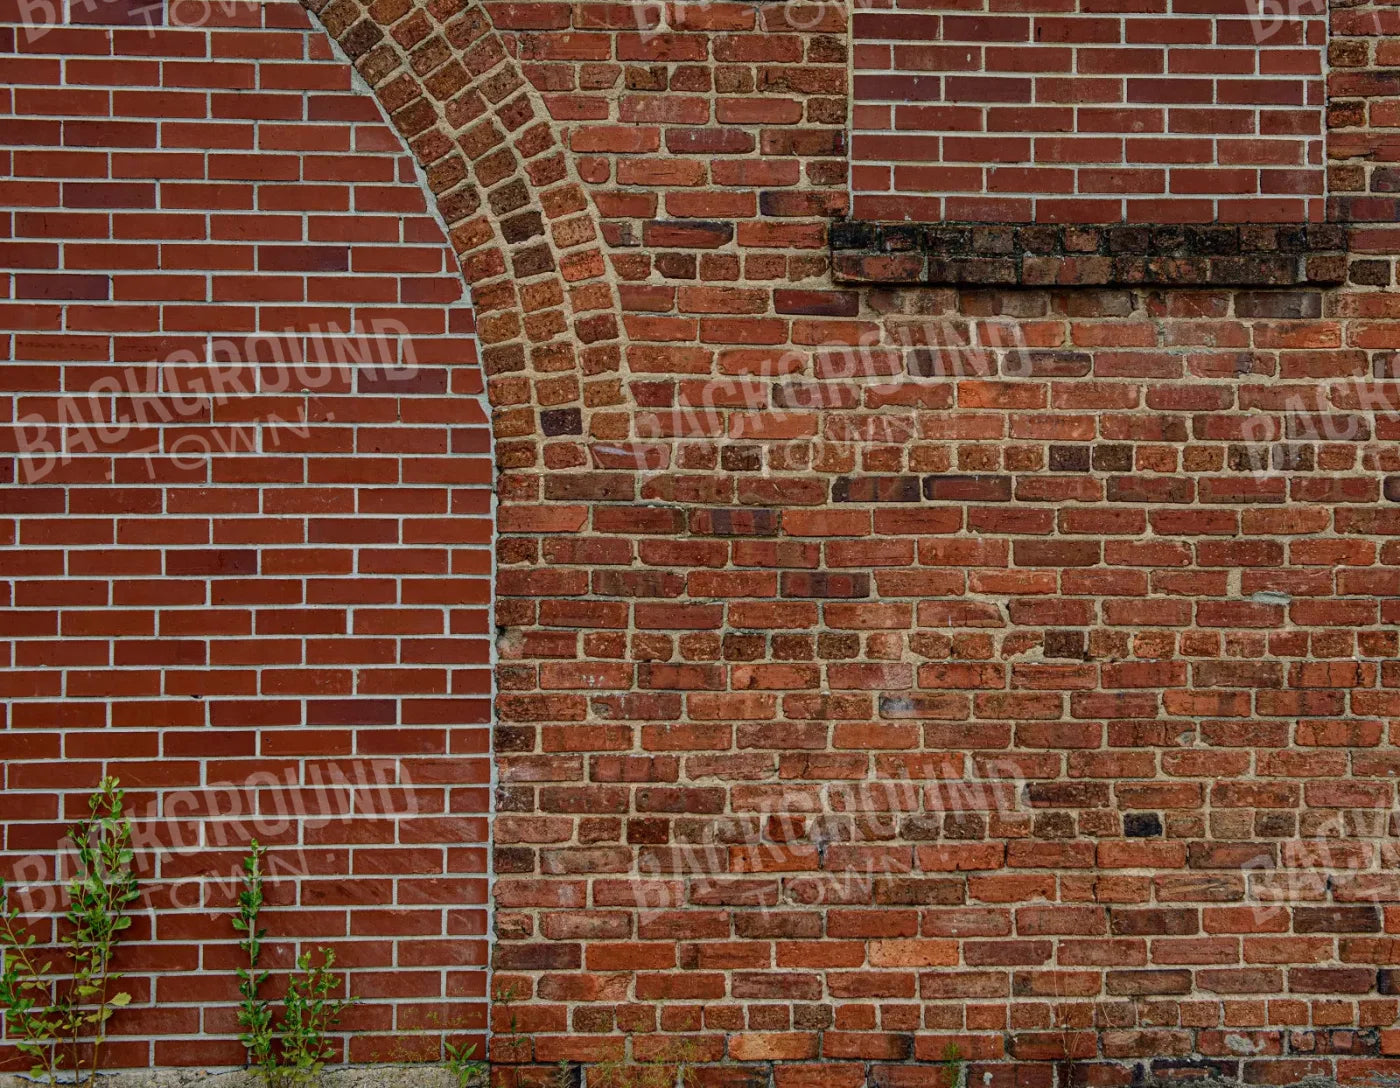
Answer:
x=519 y=219
x=528 y=240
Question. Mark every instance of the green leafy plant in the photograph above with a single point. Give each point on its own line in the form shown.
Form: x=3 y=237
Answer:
x=566 y=1075
x=462 y=1063
x=293 y=1052
x=60 y=1019
x=508 y=1043
x=254 y=1012
x=310 y=1012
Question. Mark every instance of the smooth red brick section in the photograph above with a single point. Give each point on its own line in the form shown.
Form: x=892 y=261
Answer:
x=247 y=518
x=1089 y=112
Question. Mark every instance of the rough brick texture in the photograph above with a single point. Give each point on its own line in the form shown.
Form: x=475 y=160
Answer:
x=1125 y=255
x=884 y=667
x=1193 y=111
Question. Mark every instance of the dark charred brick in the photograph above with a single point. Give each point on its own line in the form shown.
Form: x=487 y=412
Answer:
x=1070 y=458
x=1116 y=458
x=1369 y=273
x=557 y=421
x=1065 y=644
x=533 y=261
x=1121 y=255
x=1041 y=241
x=875 y=489
x=847 y=234
x=898 y=238
x=1130 y=241
x=974 y=488
x=513 y=859
x=1215 y=241
x=1142 y=825
x=522 y=227
x=1337 y=919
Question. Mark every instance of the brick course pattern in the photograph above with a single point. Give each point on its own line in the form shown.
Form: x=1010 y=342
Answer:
x=884 y=667
x=1188 y=111
x=247 y=516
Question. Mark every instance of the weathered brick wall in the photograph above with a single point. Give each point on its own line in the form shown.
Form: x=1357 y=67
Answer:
x=1089 y=112
x=1001 y=668
x=888 y=668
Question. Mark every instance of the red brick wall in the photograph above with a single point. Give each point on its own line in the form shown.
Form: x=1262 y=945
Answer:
x=248 y=515
x=1089 y=112
x=888 y=668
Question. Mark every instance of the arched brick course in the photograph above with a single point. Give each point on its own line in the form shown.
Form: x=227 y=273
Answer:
x=520 y=221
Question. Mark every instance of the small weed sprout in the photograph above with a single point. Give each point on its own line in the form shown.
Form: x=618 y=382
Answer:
x=955 y=1066
x=465 y=1068
x=674 y=1069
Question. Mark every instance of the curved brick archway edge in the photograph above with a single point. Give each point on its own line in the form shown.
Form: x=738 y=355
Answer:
x=525 y=233
x=518 y=217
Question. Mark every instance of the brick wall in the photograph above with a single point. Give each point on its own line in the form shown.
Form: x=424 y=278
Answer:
x=888 y=667
x=1089 y=112
x=247 y=515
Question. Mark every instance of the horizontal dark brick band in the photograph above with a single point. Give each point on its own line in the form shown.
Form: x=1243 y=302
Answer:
x=1044 y=255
